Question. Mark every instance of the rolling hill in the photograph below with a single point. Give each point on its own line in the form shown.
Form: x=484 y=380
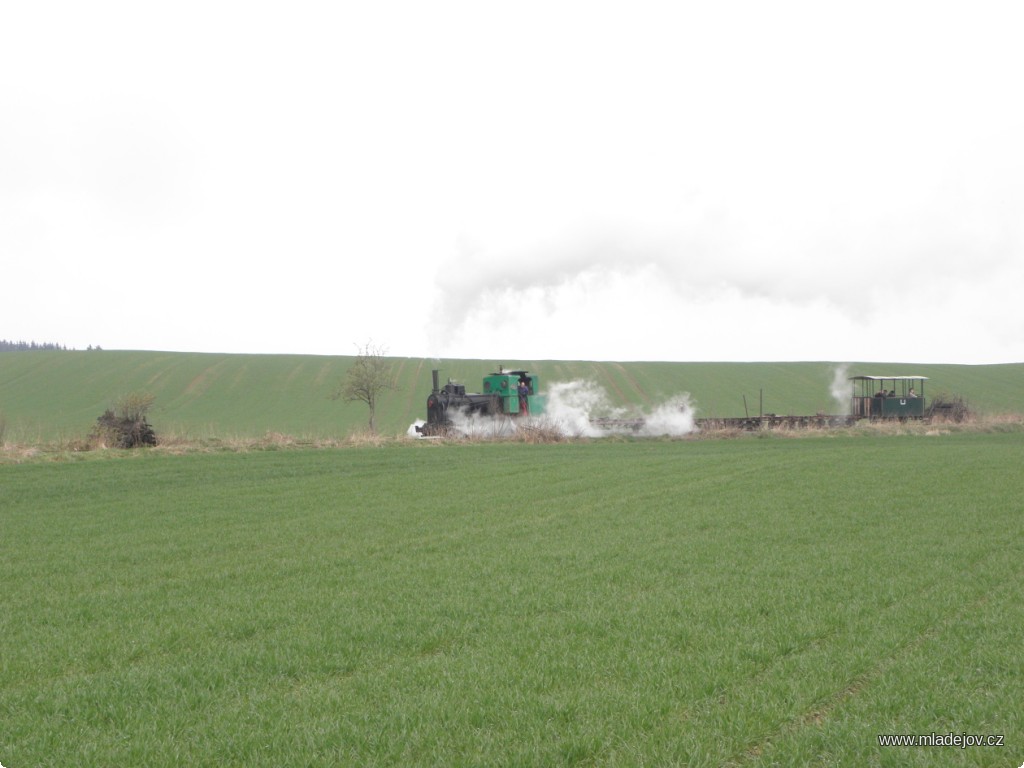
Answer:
x=47 y=396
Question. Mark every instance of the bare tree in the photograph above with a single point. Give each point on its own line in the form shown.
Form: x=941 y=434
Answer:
x=368 y=377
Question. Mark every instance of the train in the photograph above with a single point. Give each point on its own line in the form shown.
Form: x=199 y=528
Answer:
x=517 y=393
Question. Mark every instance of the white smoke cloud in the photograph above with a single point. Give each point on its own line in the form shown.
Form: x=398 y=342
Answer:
x=674 y=418
x=481 y=425
x=840 y=389
x=574 y=405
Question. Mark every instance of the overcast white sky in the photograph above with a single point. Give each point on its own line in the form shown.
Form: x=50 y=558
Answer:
x=576 y=180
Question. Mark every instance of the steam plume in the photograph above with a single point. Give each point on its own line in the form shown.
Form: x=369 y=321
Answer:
x=573 y=405
x=840 y=389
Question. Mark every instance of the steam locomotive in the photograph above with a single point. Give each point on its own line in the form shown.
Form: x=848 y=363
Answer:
x=512 y=393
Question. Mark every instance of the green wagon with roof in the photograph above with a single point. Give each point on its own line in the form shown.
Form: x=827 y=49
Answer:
x=888 y=397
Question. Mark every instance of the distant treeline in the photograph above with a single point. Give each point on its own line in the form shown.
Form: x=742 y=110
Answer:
x=32 y=346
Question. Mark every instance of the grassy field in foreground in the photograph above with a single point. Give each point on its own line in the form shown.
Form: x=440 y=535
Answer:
x=754 y=602
x=56 y=396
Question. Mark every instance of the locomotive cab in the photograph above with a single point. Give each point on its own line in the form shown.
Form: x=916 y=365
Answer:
x=509 y=387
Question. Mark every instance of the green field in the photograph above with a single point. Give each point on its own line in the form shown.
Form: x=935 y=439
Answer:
x=693 y=603
x=56 y=396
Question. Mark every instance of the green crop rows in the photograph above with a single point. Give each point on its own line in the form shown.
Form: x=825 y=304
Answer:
x=745 y=602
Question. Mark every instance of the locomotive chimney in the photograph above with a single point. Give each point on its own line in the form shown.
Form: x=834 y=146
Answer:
x=436 y=387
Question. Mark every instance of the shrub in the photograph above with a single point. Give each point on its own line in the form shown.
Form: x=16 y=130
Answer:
x=125 y=425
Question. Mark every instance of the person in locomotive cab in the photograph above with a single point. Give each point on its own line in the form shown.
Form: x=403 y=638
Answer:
x=524 y=397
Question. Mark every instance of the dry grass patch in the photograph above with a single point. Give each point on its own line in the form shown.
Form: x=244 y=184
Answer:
x=365 y=438
x=536 y=432
x=15 y=454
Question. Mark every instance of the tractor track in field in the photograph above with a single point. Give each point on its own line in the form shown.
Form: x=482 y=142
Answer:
x=321 y=375
x=605 y=373
x=411 y=402
x=202 y=380
x=632 y=382
x=294 y=373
